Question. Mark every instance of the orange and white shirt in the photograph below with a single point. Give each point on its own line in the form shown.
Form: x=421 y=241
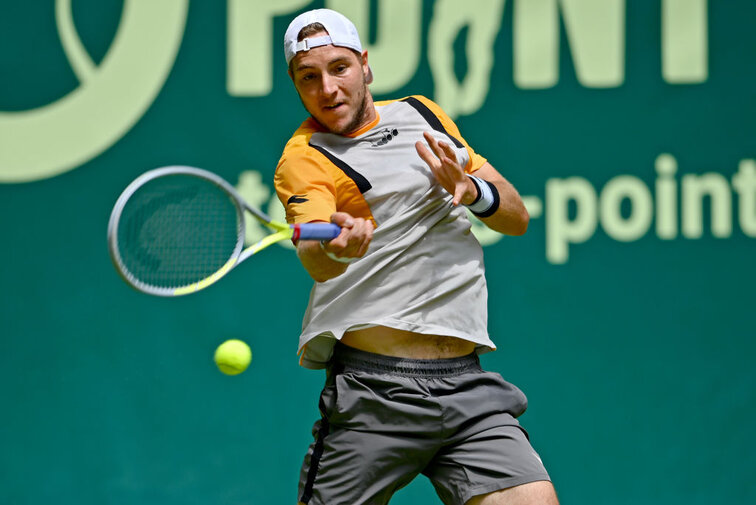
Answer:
x=423 y=271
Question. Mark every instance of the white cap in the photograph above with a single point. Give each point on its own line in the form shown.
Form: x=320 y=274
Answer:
x=341 y=32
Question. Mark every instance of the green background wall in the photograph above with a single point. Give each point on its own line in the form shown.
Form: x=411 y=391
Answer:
x=626 y=317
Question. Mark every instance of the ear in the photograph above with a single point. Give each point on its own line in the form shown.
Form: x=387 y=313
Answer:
x=366 y=68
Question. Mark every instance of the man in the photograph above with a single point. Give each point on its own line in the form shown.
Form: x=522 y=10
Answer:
x=397 y=315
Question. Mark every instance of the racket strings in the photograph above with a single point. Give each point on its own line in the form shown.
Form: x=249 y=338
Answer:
x=178 y=230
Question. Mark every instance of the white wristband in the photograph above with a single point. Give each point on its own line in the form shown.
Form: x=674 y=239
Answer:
x=333 y=256
x=486 y=198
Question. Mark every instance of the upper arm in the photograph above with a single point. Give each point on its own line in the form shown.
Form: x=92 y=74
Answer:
x=305 y=187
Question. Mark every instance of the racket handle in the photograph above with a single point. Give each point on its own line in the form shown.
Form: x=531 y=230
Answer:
x=316 y=231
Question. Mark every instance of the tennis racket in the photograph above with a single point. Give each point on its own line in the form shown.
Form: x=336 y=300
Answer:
x=176 y=230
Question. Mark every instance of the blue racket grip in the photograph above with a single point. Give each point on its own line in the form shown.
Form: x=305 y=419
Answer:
x=316 y=231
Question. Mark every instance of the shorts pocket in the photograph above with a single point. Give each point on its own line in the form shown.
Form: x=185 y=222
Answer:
x=357 y=401
x=513 y=400
x=382 y=402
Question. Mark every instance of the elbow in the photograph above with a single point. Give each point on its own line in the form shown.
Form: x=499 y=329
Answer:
x=320 y=277
x=322 y=274
x=318 y=266
x=520 y=230
x=520 y=223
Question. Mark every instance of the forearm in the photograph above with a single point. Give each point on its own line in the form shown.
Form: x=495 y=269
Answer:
x=510 y=217
x=317 y=263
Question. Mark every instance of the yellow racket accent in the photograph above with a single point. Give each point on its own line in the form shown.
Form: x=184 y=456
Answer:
x=268 y=240
x=191 y=288
x=284 y=232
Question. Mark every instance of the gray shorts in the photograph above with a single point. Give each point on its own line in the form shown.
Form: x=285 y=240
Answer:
x=385 y=420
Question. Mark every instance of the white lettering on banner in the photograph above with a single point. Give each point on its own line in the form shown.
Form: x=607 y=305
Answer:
x=666 y=197
x=562 y=230
x=685 y=41
x=620 y=188
x=744 y=183
x=595 y=31
x=482 y=19
x=694 y=189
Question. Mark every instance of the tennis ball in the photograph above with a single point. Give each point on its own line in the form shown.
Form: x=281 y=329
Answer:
x=233 y=357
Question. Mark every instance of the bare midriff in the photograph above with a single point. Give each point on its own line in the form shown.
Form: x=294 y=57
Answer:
x=407 y=344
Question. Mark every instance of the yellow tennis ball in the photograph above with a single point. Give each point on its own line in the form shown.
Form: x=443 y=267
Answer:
x=233 y=357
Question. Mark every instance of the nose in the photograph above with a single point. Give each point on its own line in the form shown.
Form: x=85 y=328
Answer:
x=328 y=84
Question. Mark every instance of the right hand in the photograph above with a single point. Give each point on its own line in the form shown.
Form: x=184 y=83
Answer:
x=354 y=239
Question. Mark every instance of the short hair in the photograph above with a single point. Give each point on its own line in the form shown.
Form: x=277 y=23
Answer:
x=310 y=30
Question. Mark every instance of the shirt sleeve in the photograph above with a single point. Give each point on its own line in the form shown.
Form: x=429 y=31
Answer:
x=304 y=185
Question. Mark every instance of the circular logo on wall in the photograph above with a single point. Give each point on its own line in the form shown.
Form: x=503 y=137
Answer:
x=46 y=141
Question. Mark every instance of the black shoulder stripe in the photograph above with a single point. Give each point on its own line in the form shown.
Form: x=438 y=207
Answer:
x=431 y=118
x=362 y=184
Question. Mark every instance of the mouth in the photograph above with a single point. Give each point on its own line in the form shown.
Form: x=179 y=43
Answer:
x=333 y=107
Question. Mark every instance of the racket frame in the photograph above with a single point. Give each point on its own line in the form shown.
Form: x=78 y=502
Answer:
x=282 y=231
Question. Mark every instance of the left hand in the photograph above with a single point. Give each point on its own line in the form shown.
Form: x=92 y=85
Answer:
x=443 y=163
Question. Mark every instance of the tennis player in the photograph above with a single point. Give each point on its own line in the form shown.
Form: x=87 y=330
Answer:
x=397 y=315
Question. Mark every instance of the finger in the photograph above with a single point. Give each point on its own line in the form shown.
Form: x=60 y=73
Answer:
x=425 y=154
x=448 y=171
x=339 y=243
x=342 y=219
x=364 y=233
x=433 y=143
x=363 y=247
x=448 y=151
x=452 y=170
x=449 y=157
x=359 y=239
x=368 y=238
x=362 y=250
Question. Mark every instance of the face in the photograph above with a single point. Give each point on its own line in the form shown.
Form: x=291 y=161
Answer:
x=330 y=81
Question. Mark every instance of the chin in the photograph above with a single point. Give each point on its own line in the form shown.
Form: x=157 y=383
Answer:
x=338 y=127
x=340 y=124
